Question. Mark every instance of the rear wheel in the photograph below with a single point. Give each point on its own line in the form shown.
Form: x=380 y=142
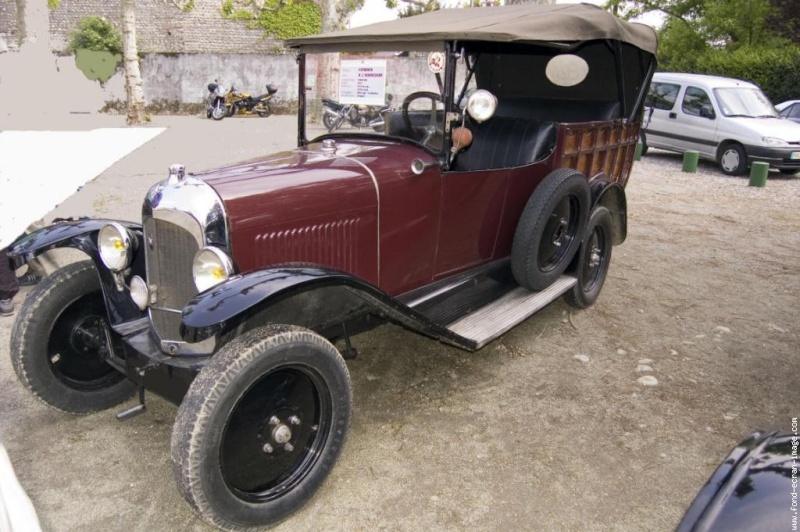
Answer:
x=643 y=140
x=790 y=171
x=261 y=426
x=593 y=260
x=549 y=231
x=264 y=111
x=733 y=159
x=60 y=342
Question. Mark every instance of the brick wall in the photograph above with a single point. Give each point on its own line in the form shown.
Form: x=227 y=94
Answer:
x=8 y=24
x=162 y=28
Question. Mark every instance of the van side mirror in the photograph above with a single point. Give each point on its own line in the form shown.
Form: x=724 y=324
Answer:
x=706 y=111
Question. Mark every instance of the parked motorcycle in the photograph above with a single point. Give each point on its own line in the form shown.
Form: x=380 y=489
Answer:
x=358 y=115
x=243 y=103
x=215 y=102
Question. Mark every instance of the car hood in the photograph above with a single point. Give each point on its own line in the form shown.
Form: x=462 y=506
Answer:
x=750 y=489
x=773 y=127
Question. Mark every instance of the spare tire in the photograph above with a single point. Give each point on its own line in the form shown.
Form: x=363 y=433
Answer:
x=550 y=230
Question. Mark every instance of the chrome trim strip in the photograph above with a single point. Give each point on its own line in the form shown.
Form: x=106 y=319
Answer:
x=378 y=197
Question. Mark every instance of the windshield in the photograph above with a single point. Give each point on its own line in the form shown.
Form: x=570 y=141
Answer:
x=744 y=102
x=397 y=94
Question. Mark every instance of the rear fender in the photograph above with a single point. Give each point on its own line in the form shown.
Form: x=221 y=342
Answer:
x=611 y=195
x=313 y=297
x=82 y=235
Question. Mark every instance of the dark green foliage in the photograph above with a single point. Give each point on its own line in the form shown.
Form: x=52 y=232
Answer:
x=96 y=33
x=775 y=70
x=282 y=19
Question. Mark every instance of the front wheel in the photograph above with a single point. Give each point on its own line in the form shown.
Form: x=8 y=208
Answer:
x=60 y=341
x=733 y=159
x=261 y=426
x=593 y=260
x=218 y=112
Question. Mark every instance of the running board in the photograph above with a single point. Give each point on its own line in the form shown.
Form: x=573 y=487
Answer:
x=489 y=322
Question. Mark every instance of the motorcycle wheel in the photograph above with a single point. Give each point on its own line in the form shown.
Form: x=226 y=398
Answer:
x=218 y=113
x=264 y=111
x=232 y=110
x=329 y=121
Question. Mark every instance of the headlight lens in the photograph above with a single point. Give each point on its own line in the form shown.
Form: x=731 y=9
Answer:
x=139 y=292
x=211 y=267
x=773 y=141
x=115 y=245
x=481 y=105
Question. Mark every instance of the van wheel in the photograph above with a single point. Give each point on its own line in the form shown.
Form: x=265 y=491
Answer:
x=643 y=140
x=593 y=260
x=550 y=229
x=789 y=171
x=733 y=159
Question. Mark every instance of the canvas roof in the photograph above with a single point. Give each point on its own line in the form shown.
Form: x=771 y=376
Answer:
x=527 y=23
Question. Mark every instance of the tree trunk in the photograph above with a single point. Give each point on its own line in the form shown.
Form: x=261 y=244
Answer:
x=327 y=85
x=130 y=63
x=22 y=32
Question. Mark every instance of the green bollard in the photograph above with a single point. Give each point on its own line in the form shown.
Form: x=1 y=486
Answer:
x=637 y=154
x=758 y=174
x=690 y=158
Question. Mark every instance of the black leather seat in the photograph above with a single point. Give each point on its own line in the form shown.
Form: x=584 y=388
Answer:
x=563 y=111
x=504 y=142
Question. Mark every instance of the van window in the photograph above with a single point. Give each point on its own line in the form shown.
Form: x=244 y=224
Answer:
x=693 y=100
x=744 y=102
x=663 y=95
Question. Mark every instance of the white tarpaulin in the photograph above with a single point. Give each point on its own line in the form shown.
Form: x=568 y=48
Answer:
x=41 y=169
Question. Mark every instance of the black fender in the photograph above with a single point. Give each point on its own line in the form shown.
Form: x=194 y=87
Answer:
x=309 y=296
x=82 y=234
x=611 y=195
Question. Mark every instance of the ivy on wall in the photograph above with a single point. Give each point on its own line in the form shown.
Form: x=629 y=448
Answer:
x=282 y=19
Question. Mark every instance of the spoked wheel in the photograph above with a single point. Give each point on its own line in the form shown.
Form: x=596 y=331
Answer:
x=593 y=261
x=261 y=426
x=549 y=231
x=218 y=112
x=61 y=340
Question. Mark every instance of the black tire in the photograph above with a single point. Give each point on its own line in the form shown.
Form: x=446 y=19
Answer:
x=265 y=111
x=733 y=159
x=58 y=342
x=225 y=422
x=593 y=260
x=549 y=231
x=789 y=171
x=218 y=112
x=643 y=140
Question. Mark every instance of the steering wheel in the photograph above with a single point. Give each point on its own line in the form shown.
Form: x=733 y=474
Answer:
x=423 y=133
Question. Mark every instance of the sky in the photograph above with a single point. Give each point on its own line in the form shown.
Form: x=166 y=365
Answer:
x=376 y=11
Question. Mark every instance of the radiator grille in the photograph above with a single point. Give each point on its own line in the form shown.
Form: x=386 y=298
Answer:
x=170 y=250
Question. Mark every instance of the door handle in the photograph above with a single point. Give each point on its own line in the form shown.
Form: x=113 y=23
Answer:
x=673 y=115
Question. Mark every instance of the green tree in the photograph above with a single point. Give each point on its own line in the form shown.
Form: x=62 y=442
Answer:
x=97 y=34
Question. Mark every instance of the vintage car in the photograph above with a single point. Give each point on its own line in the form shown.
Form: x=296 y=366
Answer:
x=495 y=188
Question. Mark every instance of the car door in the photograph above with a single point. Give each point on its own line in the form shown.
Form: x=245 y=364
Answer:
x=660 y=115
x=697 y=120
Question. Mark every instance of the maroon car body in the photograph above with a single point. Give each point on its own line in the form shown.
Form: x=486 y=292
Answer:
x=455 y=219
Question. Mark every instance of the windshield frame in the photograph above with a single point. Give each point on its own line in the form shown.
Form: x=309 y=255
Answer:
x=447 y=90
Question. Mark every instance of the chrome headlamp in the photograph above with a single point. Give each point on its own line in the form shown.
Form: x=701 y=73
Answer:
x=481 y=105
x=211 y=267
x=115 y=244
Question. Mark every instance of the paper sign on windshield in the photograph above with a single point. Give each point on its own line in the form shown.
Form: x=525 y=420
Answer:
x=363 y=81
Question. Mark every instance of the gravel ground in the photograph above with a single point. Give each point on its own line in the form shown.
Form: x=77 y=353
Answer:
x=605 y=419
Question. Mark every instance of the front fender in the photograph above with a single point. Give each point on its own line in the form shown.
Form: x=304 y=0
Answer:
x=82 y=235
x=323 y=295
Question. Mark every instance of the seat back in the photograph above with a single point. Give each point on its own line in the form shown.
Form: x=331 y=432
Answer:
x=505 y=143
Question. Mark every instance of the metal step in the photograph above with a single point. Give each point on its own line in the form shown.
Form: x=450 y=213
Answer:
x=486 y=324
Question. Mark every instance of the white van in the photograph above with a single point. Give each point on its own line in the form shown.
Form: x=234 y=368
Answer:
x=725 y=120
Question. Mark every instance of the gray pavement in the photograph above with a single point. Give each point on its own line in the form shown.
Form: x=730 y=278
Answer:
x=518 y=436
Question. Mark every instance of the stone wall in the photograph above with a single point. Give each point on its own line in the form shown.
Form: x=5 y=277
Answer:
x=163 y=28
x=9 y=38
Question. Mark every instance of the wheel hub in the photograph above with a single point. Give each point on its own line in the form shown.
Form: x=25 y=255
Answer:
x=559 y=232
x=281 y=436
x=594 y=257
